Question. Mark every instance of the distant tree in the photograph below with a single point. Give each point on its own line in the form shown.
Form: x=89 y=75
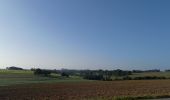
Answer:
x=137 y=71
x=64 y=74
x=105 y=75
x=127 y=78
x=46 y=72
x=41 y=72
x=153 y=70
x=14 y=68
x=149 y=78
x=119 y=72
x=141 y=71
x=37 y=71
x=32 y=69
x=168 y=70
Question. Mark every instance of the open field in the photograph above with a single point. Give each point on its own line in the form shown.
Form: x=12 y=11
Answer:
x=11 y=77
x=105 y=90
x=18 y=85
x=147 y=74
x=159 y=74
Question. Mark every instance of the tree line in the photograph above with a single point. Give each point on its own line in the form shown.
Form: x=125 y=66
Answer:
x=104 y=75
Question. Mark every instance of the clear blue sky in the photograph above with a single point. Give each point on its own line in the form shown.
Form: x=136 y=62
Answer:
x=83 y=34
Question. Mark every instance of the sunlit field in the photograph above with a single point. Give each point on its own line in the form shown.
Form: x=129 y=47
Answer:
x=11 y=77
x=96 y=90
x=24 y=85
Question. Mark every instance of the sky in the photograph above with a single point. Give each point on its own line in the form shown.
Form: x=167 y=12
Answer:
x=85 y=34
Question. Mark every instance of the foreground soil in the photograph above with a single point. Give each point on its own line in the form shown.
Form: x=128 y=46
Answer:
x=85 y=90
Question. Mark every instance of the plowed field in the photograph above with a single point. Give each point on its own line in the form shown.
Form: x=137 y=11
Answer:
x=85 y=90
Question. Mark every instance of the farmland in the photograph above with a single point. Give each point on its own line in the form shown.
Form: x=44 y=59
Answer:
x=163 y=74
x=24 y=85
x=94 y=90
x=11 y=77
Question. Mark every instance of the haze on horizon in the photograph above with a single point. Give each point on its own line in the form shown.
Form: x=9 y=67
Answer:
x=85 y=34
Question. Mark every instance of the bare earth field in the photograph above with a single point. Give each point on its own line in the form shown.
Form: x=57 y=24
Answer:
x=94 y=90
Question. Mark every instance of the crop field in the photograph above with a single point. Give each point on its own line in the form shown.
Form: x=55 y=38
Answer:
x=164 y=74
x=20 y=85
x=11 y=77
x=94 y=90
